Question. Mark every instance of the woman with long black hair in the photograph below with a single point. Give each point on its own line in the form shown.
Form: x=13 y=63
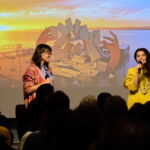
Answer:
x=39 y=72
x=137 y=80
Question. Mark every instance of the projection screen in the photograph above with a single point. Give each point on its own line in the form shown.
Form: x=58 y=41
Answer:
x=93 y=45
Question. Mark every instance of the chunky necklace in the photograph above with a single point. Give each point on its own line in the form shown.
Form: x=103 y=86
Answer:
x=144 y=85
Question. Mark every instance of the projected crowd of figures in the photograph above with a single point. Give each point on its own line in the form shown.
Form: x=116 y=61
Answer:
x=82 y=56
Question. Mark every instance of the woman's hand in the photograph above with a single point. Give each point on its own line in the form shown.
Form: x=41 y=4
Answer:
x=48 y=80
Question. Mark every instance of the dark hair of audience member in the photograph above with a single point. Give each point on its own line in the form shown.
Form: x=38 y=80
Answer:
x=88 y=101
x=114 y=107
x=146 y=112
x=126 y=134
x=42 y=91
x=56 y=113
x=82 y=127
x=30 y=120
x=38 y=103
x=4 y=145
x=101 y=98
x=4 y=121
x=59 y=100
x=136 y=111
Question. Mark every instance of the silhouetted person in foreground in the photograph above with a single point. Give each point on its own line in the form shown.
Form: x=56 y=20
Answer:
x=101 y=98
x=30 y=120
x=55 y=114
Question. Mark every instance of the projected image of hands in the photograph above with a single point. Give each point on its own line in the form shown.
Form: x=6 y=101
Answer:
x=83 y=57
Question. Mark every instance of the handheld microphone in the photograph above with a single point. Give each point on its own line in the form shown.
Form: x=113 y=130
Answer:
x=46 y=76
x=139 y=70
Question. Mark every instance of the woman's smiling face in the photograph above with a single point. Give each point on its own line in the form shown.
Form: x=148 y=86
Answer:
x=46 y=56
x=141 y=57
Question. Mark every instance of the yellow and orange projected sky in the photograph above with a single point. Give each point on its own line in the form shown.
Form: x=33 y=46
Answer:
x=21 y=21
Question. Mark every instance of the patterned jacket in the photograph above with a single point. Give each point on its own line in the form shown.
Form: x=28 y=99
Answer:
x=32 y=76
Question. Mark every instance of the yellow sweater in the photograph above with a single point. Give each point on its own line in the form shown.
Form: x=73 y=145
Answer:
x=139 y=94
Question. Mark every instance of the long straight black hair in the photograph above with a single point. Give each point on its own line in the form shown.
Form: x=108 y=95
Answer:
x=147 y=65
